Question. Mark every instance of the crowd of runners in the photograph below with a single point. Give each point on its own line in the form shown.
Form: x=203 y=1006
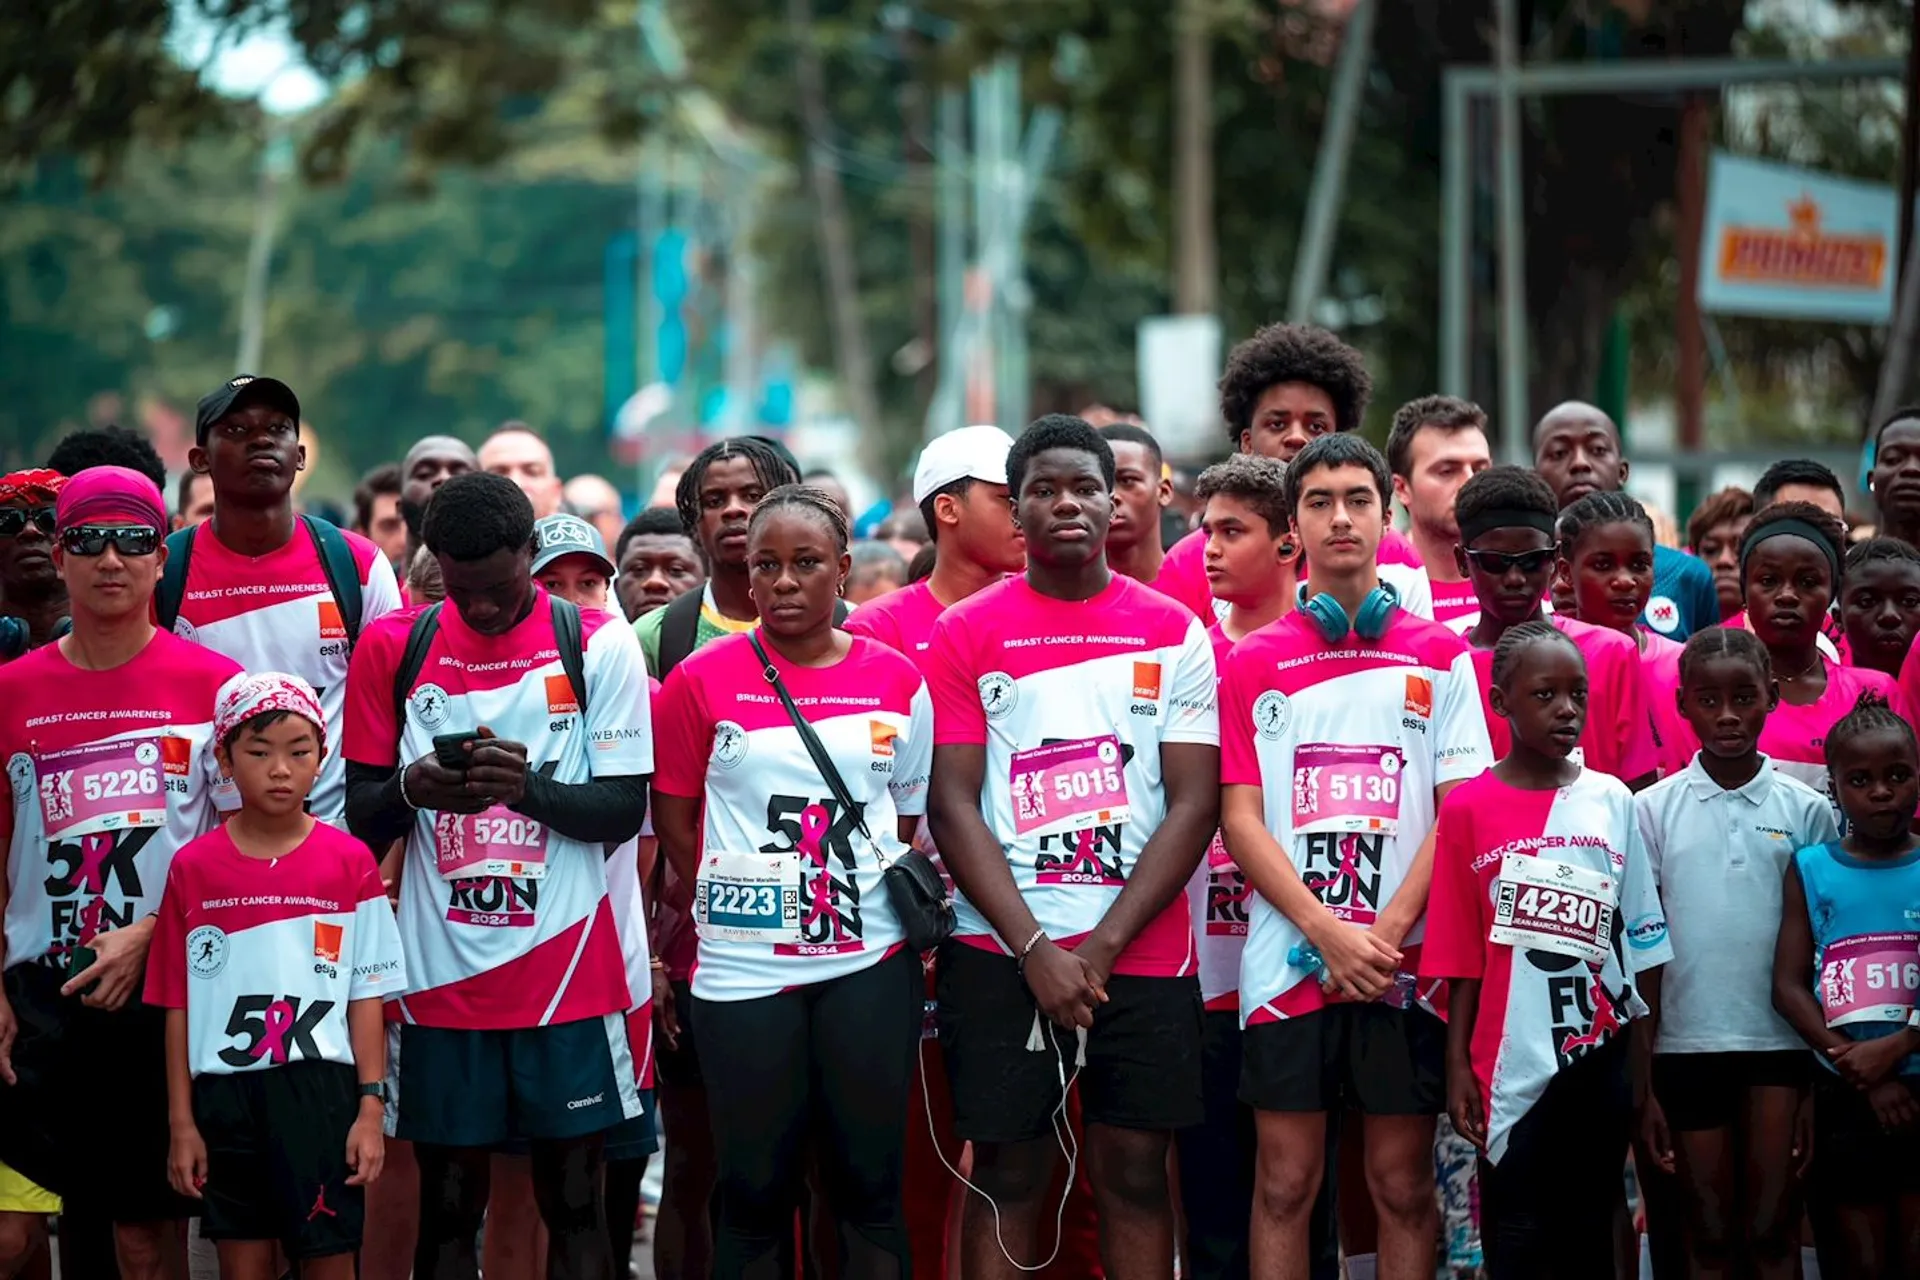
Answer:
x=1036 y=886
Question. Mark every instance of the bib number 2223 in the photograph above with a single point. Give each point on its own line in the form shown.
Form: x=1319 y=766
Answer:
x=748 y=897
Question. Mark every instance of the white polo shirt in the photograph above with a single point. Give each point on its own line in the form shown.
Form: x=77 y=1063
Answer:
x=1719 y=858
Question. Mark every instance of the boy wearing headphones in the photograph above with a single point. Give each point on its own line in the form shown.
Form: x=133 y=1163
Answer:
x=1343 y=725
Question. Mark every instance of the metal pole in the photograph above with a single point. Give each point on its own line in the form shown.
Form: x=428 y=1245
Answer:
x=1897 y=366
x=1196 y=261
x=1513 y=249
x=1456 y=236
x=1330 y=166
x=1646 y=75
x=275 y=160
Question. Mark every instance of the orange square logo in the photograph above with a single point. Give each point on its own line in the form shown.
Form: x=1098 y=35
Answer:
x=326 y=941
x=332 y=625
x=883 y=736
x=1419 y=696
x=560 y=699
x=1146 y=680
x=175 y=755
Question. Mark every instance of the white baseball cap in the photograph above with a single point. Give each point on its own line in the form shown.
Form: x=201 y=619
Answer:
x=977 y=453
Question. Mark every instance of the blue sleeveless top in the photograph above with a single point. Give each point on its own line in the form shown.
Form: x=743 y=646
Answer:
x=1865 y=917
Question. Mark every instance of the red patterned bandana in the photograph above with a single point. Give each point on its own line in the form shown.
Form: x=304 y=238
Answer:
x=38 y=487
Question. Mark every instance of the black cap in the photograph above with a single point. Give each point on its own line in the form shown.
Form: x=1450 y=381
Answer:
x=235 y=392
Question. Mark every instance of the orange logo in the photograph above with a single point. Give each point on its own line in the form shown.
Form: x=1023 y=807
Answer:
x=1146 y=680
x=560 y=699
x=883 y=736
x=1419 y=696
x=326 y=941
x=1804 y=254
x=332 y=625
x=175 y=755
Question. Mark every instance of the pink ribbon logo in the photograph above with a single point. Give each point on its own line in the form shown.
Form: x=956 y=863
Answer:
x=94 y=852
x=813 y=829
x=279 y=1023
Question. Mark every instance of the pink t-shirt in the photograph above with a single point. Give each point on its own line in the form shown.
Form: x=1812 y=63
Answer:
x=1073 y=701
x=901 y=620
x=1347 y=743
x=265 y=954
x=1217 y=895
x=1618 y=736
x=1795 y=738
x=1540 y=1011
x=112 y=774
x=1183 y=574
x=510 y=950
x=1453 y=601
x=275 y=613
x=735 y=749
x=1660 y=667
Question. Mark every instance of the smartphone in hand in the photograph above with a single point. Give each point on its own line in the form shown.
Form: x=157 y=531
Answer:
x=450 y=749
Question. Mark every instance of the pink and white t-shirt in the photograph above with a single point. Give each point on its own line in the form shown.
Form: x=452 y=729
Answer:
x=274 y=613
x=1660 y=668
x=537 y=943
x=629 y=903
x=1529 y=887
x=1618 y=736
x=1795 y=737
x=1073 y=700
x=112 y=774
x=1218 y=895
x=1183 y=574
x=736 y=748
x=265 y=954
x=901 y=620
x=1452 y=602
x=1347 y=743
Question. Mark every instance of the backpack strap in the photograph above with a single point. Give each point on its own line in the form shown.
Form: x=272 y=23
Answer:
x=566 y=636
x=426 y=625
x=679 y=628
x=173 y=578
x=343 y=575
x=841 y=612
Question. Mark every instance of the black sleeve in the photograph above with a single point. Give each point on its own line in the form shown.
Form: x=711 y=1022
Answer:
x=605 y=810
x=376 y=813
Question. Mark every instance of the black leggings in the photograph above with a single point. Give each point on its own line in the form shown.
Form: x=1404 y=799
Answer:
x=826 y=1065
x=454 y=1182
x=1546 y=1210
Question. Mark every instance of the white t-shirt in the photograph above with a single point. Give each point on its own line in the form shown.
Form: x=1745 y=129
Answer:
x=1719 y=858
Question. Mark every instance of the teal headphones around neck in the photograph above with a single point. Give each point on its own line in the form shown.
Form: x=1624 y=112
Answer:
x=1376 y=611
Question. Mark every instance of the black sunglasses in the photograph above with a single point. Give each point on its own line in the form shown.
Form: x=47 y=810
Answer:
x=1500 y=562
x=14 y=520
x=127 y=539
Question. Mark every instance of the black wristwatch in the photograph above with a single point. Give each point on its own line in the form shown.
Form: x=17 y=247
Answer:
x=378 y=1089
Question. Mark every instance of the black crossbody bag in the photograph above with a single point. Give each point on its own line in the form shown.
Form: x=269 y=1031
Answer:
x=913 y=883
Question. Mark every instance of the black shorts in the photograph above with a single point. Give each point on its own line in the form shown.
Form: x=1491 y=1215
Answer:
x=1143 y=1053
x=1369 y=1058
x=1708 y=1090
x=88 y=1118
x=277 y=1157
x=481 y=1088
x=678 y=1067
x=1855 y=1161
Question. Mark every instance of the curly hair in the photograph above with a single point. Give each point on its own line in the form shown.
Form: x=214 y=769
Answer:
x=1259 y=482
x=1725 y=507
x=653 y=522
x=1057 y=431
x=110 y=446
x=1503 y=488
x=1293 y=353
x=474 y=515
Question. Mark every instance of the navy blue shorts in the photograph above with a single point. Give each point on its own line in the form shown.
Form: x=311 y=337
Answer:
x=458 y=1088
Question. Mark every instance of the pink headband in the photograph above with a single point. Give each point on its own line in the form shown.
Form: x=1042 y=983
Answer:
x=247 y=695
x=117 y=493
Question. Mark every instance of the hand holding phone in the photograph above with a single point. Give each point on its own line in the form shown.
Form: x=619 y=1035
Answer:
x=450 y=749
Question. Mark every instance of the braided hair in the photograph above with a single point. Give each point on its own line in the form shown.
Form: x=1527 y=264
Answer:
x=772 y=466
x=1876 y=549
x=817 y=504
x=1517 y=640
x=1601 y=507
x=1871 y=714
x=1724 y=642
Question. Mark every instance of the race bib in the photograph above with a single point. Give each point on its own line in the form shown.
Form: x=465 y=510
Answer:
x=1068 y=786
x=1342 y=788
x=493 y=842
x=748 y=897
x=1543 y=905
x=1870 y=978
x=107 y=786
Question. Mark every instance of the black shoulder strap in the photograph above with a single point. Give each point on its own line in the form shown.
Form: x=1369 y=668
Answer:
x=841 y=613
x=173 y=578
x=815 y=748
x=679 y=628
x=343 y=575
x=419 y=639
x=566 y=638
